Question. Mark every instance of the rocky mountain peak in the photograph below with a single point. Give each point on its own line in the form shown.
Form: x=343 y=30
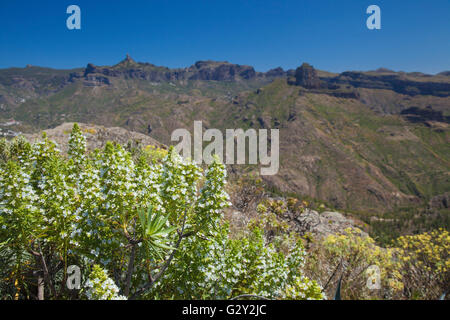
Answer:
x=306 y=76
x=277 y=72
x=127 y=62
x=90 y=68
x=221 y=71
x=128 y=58
x=384 y=70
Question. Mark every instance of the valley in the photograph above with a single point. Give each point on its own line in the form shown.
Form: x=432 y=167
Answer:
x=374 y=144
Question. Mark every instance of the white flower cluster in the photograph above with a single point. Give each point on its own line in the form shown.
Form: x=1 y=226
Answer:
x=100 y=286
x=220 y=268
x=80 y=205
x=16 y=196
x=213 y=197
x=77 y=146
x=178 y=179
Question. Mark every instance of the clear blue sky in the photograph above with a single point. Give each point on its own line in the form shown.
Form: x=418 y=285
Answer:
x=330 y=34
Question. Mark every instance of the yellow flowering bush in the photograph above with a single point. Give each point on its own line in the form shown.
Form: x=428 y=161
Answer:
x=424 y=260
x=154 y=153
x=350 y=255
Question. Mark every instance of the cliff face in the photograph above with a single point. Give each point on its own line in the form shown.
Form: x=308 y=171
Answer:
x=413 y=84
x=415 y=114
x=306 y=76
x=201 y=70
x=219 y=71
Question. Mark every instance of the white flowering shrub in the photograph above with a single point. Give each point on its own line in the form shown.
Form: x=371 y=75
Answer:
x=212 y=265
x=136 y=228
x=219 y=267
x=100 y=286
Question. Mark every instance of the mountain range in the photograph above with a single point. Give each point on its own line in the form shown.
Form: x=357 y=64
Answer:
x=373 y=143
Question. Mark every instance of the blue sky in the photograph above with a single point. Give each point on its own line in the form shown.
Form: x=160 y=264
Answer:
x=330 y=34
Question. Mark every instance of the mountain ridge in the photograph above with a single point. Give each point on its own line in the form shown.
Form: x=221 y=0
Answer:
x=363 y=143
x=38 y=79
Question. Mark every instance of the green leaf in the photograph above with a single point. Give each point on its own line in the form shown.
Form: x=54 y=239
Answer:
x=142 y=218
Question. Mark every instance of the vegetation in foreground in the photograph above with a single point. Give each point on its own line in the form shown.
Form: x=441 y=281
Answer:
x=152 y=227
x=137 y=229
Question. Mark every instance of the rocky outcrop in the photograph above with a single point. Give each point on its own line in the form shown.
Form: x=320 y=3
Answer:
x=128 y=69
x=96 y=136
x=440 y=202
x=398 y=82
x=420 y=115
x=220 y=71
x=444 y=73
x=306 y=76
x=276 y=73
x=319 y=224
x=345 y=84
x=93 y=80
x=201 y=70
